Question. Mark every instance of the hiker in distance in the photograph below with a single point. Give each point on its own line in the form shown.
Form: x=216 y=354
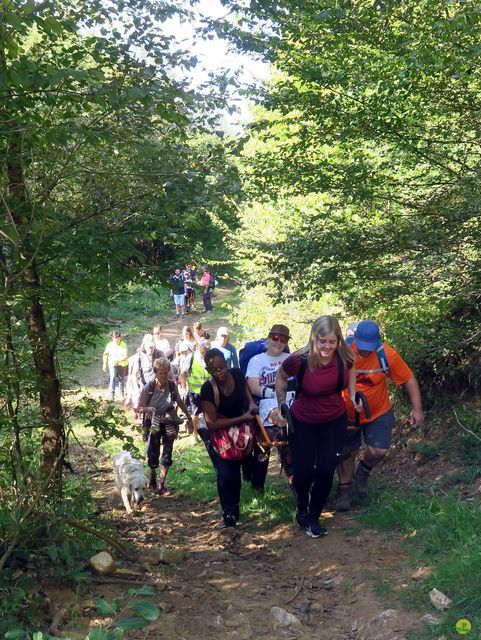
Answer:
x=374 y=362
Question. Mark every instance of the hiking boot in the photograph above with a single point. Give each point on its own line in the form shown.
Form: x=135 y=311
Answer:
x=153 y=480
x=361 y=476
x=343 y=497
x=227 y=523
x=314 y=530
x=302 y=518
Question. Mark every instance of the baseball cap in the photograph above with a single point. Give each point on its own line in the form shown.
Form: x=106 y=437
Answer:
x=280 y=329
x=115 y=334
x=183 y=346
x=368 y=336
x=222 y=331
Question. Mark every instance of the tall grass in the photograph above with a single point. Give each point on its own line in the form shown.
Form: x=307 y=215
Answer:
x=444 y=533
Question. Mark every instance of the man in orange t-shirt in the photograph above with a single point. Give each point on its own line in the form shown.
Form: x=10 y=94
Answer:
x=371 y=379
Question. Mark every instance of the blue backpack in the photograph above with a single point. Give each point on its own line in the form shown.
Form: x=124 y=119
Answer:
x=381 y=354
x=251 y=349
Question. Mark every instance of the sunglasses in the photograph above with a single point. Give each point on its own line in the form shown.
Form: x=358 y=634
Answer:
x=216 y=369
x=277 y=337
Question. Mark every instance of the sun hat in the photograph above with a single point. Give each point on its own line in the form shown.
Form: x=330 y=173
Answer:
x=368 y=336
x=280 y=329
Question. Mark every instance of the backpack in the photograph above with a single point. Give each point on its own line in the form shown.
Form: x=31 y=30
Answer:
x=213 y=282
x=381 y=355
x=251 y=349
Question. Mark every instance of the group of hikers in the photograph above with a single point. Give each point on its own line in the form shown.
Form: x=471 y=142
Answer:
x=183 y=283
x=314 y=405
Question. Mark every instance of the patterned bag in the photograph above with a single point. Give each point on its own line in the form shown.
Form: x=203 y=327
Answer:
x=232 y=443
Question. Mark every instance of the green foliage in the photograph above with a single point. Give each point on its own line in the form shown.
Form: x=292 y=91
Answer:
x=258 y=308
x=106 y=422
x=364 y=153
x=147 y=612
x=442 y=532
x=47 y=541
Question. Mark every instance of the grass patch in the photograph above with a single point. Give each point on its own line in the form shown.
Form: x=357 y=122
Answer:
x=134 y=303
x=443 y=533
x=193 y=475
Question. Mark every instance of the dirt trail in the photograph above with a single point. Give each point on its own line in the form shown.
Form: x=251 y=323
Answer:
x=222 y=585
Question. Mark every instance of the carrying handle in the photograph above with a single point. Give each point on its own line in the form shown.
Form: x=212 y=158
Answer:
x=286 y=413
x=360 y=397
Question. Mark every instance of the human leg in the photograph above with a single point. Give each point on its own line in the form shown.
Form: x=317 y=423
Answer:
x=120 y=375
x=112 y=378
x=259 y=466
x=153 y=454
x=302 y=444
x=330 y=437
x=206 y=299
x=228 y=488
x=165 y=462
x=345 y=469
x=378 y=435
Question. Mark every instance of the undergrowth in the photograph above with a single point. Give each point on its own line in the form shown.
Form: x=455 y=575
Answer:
x=442 y=533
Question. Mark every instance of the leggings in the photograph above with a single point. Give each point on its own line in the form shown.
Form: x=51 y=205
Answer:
x=315 y=451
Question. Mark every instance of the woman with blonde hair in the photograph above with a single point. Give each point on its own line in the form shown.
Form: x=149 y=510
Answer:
x=323 y=368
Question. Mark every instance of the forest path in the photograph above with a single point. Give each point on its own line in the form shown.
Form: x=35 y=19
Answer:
x=214 y=584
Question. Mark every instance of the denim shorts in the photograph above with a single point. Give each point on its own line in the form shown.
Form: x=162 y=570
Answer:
x=179 y=299
x=377 y=434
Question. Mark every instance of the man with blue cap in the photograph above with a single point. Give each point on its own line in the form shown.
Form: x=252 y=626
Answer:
x=375 y=362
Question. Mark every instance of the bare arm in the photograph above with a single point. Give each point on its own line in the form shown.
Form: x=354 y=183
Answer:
x=183 y=380
x=275 y=415
x=254 y=386
x=183 y=407
x=352 y=389
x=257 y=389
x=214 y=423
x=414 y=393
x=281 y=386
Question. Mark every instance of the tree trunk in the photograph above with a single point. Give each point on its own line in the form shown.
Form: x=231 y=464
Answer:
x=53 y=437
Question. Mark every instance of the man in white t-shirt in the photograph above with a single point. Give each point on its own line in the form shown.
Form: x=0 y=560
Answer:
x=261 y=377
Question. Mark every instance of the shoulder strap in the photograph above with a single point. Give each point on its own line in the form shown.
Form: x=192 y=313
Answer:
x=142 y=379
x=340 y=373
x=300 y=374
x=172 y=386
x=151 y=390
x=215 y=389
x=382 y=357
x=191 y=364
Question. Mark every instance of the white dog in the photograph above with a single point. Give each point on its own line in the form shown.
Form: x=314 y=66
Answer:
x=130 y=479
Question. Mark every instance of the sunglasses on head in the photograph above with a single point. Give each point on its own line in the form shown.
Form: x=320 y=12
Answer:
x=277 y=337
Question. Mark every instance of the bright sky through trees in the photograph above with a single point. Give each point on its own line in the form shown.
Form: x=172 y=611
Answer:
x=214 y=55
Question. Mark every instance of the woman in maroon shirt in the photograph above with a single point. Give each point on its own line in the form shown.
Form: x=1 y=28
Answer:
x=325 y=367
